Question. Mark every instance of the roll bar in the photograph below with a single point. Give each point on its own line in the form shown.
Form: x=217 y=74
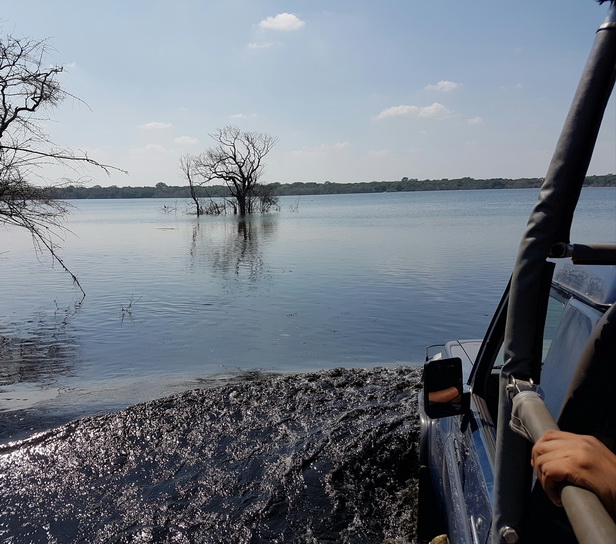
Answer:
x=548 y=225
x=585 y=253
x=590 y=521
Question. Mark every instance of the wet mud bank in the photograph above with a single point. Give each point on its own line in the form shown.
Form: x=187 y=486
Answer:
x=324 y=457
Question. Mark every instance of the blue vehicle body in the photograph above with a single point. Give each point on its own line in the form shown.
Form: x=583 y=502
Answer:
x=460 y=451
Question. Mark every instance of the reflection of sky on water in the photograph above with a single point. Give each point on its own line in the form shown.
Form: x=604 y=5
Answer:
x=346 y=280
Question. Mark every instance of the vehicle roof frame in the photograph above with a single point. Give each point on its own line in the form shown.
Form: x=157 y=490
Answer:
x=549 y=224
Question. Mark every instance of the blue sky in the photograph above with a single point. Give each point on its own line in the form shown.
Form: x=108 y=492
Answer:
x=355 y=90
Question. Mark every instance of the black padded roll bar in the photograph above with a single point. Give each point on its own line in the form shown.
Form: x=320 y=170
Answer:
x=585 y=253
x=549 y=224
x=589 y=519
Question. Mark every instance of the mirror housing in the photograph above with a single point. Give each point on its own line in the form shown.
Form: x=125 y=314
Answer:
x=443 y=388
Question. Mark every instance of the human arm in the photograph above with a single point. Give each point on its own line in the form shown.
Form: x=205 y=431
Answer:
x=580 y=460
x=444 y=395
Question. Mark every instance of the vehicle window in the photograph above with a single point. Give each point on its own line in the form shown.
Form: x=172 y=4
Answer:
x=554 y=315
x=568 y=325
x=566 y=346
x=500 y=359
x=556 y=308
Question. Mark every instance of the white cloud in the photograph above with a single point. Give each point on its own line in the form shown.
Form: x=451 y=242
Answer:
x=343 y=145
x=155 y=125
x=185 y=140
x=381 y=153
x=282 y=21
x=436 y=110
x=260 y=45
x=321 y=149
x=244 y=115
x=150 y=149
x=443 y=86
x=475 y=121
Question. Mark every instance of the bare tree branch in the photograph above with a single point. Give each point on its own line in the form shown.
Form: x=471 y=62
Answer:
x=28 y=90
x=237 y=160
x=187 y=166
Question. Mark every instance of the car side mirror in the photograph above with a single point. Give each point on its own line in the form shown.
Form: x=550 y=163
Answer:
x=443 y=394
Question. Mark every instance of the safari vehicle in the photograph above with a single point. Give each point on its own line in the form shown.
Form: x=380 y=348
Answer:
x=548 y=360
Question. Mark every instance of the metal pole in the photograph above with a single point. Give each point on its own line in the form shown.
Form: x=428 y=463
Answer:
x=590 y=521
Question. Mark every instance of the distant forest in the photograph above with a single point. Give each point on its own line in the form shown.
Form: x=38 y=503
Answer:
x=162 y=190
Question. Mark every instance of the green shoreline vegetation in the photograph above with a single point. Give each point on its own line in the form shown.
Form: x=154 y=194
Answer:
x=162 y=190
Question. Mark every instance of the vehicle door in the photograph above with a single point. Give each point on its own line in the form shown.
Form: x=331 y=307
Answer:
x=567 y=325
x=476 y=441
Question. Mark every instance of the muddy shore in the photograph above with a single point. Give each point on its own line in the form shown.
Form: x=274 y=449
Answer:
x=322 y=457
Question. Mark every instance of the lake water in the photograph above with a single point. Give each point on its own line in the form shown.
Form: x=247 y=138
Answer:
x=176 y=302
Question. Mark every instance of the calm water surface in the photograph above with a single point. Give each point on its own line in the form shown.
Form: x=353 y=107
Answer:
x=174 y=302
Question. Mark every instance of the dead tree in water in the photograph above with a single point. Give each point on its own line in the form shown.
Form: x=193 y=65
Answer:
x=187 y=166
x=238 y=160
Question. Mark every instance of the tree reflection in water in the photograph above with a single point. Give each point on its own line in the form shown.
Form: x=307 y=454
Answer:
x=232 y=249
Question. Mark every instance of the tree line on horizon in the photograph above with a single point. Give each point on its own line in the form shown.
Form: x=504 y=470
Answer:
x=30 y=88
x=299 y=188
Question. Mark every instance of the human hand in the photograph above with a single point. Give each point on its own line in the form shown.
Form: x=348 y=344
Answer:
x=580 y=460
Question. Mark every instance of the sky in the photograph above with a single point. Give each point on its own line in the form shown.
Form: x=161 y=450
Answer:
x=354 y=90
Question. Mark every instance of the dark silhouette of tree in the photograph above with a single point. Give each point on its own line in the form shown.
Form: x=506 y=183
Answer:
x=236 y=159
x=187 y=166
x=28 y=90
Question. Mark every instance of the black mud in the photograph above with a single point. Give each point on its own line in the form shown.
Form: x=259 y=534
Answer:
x=316 y=458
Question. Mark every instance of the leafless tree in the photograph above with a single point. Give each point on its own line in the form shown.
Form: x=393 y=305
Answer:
x=236 y=159
x=29 y=88
x=196 y=182
x=187 y=166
